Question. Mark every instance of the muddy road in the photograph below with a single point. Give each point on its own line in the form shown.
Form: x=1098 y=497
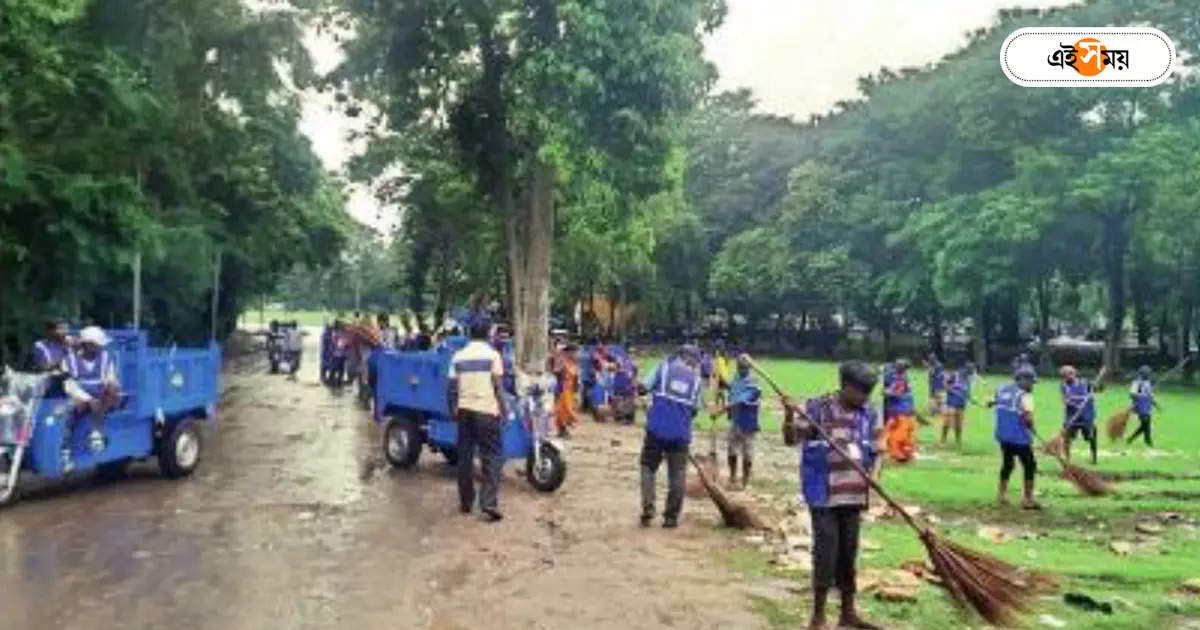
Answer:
x=292 y=521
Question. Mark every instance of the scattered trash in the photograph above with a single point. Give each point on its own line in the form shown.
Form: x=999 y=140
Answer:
x=890 y=585
x=1084 y=602
x=869 y=545
x=755 y=539
x=1121 y=547
x=1191 y=586
x=993 y=534
x=305 y=516
x=1125 y=603
x=1052 y=621
x=1152 y=529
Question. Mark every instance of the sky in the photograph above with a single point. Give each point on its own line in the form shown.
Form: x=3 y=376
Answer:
x=799 y=57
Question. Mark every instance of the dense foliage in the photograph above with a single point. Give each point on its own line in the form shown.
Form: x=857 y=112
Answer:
x=162 y=127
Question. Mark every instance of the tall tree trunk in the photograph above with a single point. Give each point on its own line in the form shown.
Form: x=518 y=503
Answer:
x=935 y=335
x=1113 y=252
x=983 y=351
x=1164 y=349
x=530 y=231
x=1141 y=316
x=1043 y=302
x=1185 y=341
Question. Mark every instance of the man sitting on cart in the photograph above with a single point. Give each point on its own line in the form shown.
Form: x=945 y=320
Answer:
x=93 y=385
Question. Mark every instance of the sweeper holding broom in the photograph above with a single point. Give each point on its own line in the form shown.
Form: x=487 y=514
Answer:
x=1014 y=432
x=1079 y=409
x=833 y=487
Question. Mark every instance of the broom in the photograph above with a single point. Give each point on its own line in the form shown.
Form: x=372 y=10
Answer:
x=1086 y=481
x=1057 y=445
x=997 y=591
x=734 y=513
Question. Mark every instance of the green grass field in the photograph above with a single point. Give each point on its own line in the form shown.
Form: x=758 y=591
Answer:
x=1070 y=538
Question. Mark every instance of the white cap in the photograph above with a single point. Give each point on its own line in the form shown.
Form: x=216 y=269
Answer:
x=93 y=335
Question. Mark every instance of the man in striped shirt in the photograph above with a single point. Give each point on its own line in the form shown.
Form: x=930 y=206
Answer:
x=477 y=403
x=834 y=487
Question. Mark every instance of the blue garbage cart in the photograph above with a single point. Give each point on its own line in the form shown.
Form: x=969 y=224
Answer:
x=412 y=409
x=167 y=395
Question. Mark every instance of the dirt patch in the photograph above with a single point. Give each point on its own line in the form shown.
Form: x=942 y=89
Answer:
x=1146 y=475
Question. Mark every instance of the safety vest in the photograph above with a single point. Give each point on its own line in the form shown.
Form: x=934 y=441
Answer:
x=937 y=378
x=88 y=374
x=814 y=454
x=50 y=354
x=676 y=399
x=1143 y=397
x=959 y=391
x=1075 y=395
x=898 y=398
x=1010 y=427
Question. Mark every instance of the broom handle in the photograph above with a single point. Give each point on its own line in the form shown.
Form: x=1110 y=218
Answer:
x=838 y=449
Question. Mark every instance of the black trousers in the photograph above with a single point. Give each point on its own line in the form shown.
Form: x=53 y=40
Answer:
x=479 y=431
x=835 y=546
x=1143 y=429
x=654 y=451
x=1023 y=452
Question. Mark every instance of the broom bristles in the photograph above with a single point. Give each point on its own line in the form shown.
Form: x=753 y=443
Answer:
x=733 y=514
x=1055 y=446
x=997 y=591
x=1117 y=422
x=1086 y=481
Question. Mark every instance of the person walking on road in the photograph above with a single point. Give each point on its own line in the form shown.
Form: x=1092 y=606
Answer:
x=835 y=492
x=675 y=386
x=477 y=403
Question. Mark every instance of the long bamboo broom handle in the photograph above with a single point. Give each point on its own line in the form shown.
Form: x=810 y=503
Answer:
x=838 y=449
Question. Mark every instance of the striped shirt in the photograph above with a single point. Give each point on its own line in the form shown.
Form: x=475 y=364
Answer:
x=843 y=426
x=473 y=367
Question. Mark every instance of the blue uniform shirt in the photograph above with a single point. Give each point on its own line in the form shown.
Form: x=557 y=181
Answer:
x=1011 y=405
x=48 y=355
x=937 y=378
x=1142 y=395
x=676 y=388
x=959 y=391
x=897 y=394
x=1078 y=403
x=744 y=395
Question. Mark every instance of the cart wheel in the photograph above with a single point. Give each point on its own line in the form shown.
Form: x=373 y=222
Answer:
x=179 y=454
x=113 y=470
x=551 y=474
x=401 y=441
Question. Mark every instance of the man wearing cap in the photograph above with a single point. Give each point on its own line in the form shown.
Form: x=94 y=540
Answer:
x=1014 y=432
x=833 y=486
x=676 y=387
x=1079 y=410
x=92 y=384
x=477 y=403
x=742 y=408
x=1141 y=394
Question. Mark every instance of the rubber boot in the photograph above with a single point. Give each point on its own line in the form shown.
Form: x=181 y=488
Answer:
x=733 y=477
x=817 y=622
x=746 y=466
x=1002 y=493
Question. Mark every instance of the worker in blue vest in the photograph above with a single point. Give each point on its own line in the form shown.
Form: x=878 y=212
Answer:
x=834 y=487
x=1014 y=432
x=50 y=352
x=1141 y=394
x=742 y=407
x=675 y=387
x=1079 y=410
x=958 y=394
x=93 y=385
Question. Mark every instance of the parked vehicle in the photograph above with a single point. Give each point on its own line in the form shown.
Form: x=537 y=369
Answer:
x=411 y=404
x=168 y=394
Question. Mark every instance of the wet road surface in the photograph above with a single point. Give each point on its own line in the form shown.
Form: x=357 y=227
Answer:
x=292 y=521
